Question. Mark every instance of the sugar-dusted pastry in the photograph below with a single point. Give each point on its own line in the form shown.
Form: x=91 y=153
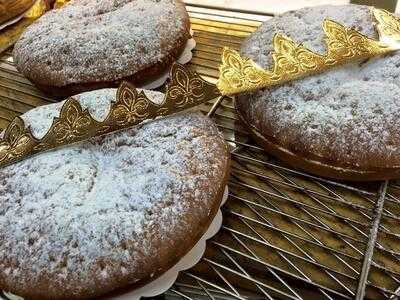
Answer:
x=342 y=123
x=92 y=44
x=111 y=212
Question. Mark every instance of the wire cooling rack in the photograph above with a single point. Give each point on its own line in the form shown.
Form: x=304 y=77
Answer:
x=286 y=234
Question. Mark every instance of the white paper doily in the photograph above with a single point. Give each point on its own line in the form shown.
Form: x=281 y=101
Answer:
x=165 y=281
x=184 y=58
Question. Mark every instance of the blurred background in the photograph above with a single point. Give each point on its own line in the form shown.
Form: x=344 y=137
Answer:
x=277 y=6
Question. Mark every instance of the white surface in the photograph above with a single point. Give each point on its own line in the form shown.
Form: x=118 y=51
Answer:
x=165 y=281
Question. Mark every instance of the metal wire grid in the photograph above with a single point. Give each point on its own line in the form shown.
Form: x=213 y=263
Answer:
x=286 y=234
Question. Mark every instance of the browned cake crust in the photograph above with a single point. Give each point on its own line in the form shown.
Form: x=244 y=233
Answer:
x=315 y=164
x=111 y=213
x=342 y=123
x=85 y=46
x=187 y=243
x=138 y=78
x=10 y=9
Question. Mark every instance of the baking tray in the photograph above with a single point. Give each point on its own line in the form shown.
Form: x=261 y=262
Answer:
x=286 y=234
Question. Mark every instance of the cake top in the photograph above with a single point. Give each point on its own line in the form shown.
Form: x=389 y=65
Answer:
x=92 y=40
x=348 y=114
x=112 y=198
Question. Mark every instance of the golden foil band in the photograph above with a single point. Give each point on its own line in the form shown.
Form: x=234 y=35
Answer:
x=293 y=60
x=186 y=89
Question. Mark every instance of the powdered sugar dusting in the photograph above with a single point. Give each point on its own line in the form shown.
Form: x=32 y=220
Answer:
x=93 y=40
x=97 y=211
x=96 y=102
x=349 y=114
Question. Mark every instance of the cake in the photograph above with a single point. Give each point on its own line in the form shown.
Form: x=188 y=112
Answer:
x=93 y=44
x=112 y=212
x=342 y=123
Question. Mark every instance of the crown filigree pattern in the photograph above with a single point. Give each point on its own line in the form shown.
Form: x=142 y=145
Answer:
x=292 y=60
x=186 y=89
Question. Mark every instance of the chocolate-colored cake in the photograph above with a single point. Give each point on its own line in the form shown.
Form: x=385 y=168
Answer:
x=112 y=212
x=92 y=44
x=342 y=123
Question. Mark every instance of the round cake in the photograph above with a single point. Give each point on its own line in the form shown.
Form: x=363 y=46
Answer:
x=111 y=212
x=342 y=123
x=92 y=44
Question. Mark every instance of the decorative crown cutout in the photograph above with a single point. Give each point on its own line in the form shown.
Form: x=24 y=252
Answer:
x=186 y=89
x=293 y=60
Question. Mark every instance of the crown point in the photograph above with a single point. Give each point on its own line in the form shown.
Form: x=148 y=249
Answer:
x=293 y=60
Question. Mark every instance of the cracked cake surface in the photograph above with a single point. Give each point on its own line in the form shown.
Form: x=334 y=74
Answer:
x=346 y=116
x=109 y=212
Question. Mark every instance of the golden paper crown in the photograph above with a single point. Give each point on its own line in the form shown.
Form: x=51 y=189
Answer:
x=187 y=89
x=293 y=60
x=74 y=124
